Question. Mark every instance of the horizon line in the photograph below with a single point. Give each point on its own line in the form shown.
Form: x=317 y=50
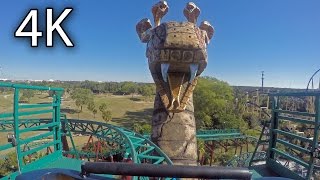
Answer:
x=57 y=80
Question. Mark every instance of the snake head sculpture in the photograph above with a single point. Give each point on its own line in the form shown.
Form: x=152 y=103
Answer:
x=176 y=53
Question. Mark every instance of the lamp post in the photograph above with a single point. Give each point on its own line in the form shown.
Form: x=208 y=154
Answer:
x=262 y=79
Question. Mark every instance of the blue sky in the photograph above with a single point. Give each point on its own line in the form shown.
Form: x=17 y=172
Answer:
x=281 y=37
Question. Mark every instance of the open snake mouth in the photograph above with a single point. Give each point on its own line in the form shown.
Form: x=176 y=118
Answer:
x=177 y=56
x=176 y=84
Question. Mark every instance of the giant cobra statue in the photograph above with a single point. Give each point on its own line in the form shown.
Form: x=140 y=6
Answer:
x=177 y=55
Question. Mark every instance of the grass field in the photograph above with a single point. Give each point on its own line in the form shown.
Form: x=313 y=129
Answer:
x=125 y=109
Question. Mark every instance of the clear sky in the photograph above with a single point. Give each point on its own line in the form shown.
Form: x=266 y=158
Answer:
x=281 y=37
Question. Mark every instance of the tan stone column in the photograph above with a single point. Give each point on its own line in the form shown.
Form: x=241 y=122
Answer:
x=175 y=133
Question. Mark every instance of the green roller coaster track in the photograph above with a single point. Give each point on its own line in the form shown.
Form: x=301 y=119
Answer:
x=51 y=131
x=136 y=146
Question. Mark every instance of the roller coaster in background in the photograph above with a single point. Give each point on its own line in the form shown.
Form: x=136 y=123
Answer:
x=53 y=136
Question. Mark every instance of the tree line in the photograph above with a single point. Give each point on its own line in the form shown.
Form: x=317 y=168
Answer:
x=217 y=104
x=119 y=88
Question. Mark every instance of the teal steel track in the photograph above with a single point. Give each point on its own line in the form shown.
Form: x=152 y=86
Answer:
x=136 y=146
x=139 y=148
x=49 y=132
x=141 y=145
x=244 y=159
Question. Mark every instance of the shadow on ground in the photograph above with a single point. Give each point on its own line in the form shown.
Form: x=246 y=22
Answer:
x=70 y=111
x=131 y=118
x=135 y=99
x=44 y=103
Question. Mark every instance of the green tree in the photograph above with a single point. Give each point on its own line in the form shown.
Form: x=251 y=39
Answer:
x=82 y=97
x=94 y=113
x=214 y=105
x=147 y=90
x=8 y=164
x=103 y=107
x=106 y=115
x=146 y=129
x=91 y=107
x=79 y=103
x=51 y=93
x=137 y=127
x=27 y=94
x=201 y=147
x=142 y=128
x=224 y=158
x=129 y=88
x=252 y=119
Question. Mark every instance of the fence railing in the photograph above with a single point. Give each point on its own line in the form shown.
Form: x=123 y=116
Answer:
x=292 y=153
x=20 y=136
